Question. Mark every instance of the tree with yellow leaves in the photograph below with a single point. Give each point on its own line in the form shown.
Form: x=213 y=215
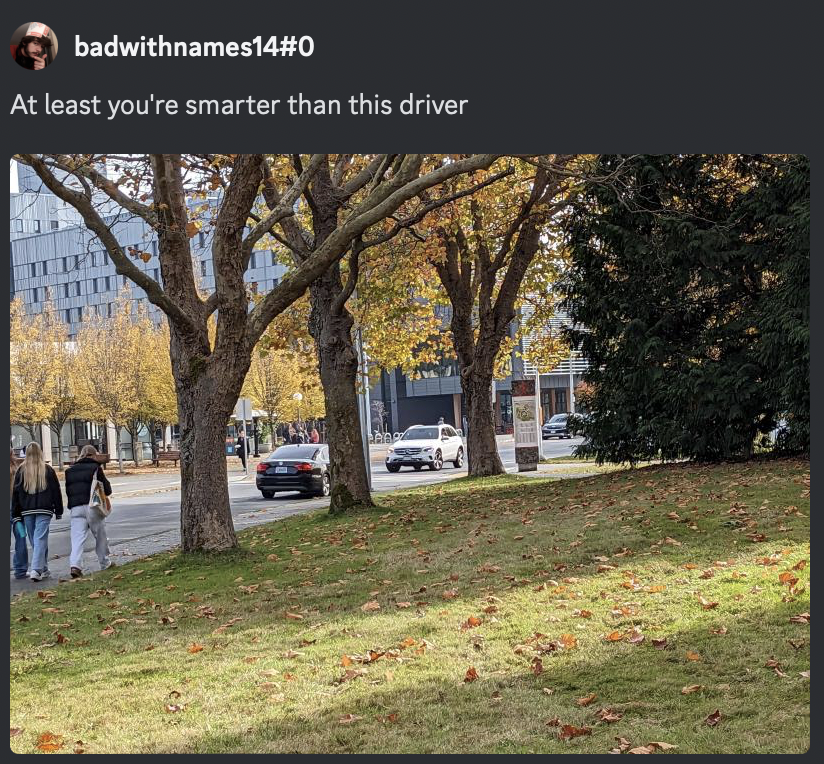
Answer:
x=32 y=369
x=112 y=367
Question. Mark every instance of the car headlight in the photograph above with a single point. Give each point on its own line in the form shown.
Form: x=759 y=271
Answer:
x=390 y=450
x=427 y=449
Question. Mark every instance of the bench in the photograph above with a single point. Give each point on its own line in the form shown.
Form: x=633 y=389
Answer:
x=166 y=456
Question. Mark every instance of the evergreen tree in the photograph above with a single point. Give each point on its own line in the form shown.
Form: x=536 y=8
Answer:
x=689 y=286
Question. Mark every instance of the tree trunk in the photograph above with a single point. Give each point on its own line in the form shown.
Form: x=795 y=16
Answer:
x=59 y=434
x=119 y=450
x=205 y=515
x=482 y=448
x=338 y=366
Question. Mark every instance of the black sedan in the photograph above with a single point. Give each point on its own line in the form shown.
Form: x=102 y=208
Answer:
x=303 y=468
x=557 y=427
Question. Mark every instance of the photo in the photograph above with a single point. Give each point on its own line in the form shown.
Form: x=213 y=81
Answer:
x=409 y=453
x=34 y=45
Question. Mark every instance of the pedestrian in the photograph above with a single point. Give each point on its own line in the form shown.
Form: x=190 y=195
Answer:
x=240 y=447
x=440 y=421
x=21 y=549
x=31 y=50
x=293 y=434
x=314 y=436
x=84 y=518
x=36 y=499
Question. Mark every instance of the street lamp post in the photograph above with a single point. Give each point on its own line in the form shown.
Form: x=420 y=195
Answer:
x=298 y=397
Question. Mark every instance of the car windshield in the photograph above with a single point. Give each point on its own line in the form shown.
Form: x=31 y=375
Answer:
x=421 y=433
x=558 y=419
x=294 y=452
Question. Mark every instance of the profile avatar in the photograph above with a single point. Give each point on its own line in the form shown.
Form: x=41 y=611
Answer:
x=35 y=49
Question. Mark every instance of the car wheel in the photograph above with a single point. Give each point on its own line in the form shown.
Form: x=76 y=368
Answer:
x=268 y=494
x=458 y=462
x=393 y=467
x=326 y=487
x=418 y=467
x=437 y=462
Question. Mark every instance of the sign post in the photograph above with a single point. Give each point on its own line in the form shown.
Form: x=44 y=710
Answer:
x=526 y=424
x=243 y=412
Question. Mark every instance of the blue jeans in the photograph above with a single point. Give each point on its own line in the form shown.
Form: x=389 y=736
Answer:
x=37 y=527
x=21 y=555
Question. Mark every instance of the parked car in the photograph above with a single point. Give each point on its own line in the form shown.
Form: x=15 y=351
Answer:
x=426 y=445
x=556 y=427
x=303 y=468
x=576 y=423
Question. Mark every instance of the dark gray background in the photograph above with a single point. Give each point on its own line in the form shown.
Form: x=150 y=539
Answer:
x=631 y=76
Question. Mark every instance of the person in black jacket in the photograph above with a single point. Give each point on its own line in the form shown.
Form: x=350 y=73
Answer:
x=79 y=479
x=36 y=498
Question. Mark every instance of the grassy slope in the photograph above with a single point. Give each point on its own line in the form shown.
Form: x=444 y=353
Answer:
x=523 y=548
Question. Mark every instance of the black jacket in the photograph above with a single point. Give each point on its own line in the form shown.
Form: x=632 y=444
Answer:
x=46 y=502
x=79 y=481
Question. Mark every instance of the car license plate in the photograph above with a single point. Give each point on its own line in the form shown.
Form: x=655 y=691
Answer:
x=281 y=470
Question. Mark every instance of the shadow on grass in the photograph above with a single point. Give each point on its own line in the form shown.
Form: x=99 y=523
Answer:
x=506 y=711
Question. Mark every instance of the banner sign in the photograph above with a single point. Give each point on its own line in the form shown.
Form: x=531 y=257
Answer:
x=526 y=425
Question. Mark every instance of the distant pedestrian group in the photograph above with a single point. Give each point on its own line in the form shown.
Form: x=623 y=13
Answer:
x=36 y=499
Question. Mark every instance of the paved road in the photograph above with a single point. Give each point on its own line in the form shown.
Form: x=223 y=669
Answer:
x=146 y=517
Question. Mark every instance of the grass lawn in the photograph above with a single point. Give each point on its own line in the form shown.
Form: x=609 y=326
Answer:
x=505 y=615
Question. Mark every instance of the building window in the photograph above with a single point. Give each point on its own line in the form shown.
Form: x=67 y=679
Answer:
x=201 y=239
x=77 y=289
x=34 y=294
x=33 y=269
x=94 y=259
x=105 y=258
x=156 y=276
x=79 y=315
x=546 y=405
x=65 y=289
x=93 y=286
x=506 y=408
x=36 y=226
x=154 y=247
x=45 y=267
x=111 y=309
x=274 y=259
x=560 y=400
x=18 y=225
x=67 y=314
x=54 y=225
x=202 y=267
x=108 y=283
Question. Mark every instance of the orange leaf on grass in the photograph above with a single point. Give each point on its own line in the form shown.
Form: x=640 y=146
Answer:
x=713 y=719
x=586 y=700
x=691 y=688
x=471 y=674
x=569 y=731
x=693 y=656
x=49 y=742
x=195 y=648
x=471 y=623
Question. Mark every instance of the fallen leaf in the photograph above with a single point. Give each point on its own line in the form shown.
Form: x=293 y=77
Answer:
x=15 y=731
x=107 y=632
x=662 y=746
x=788 y=578
x=691 y=688
x=635 y=637
x=349 y=719
x=609 y=716
x=585 y=701
x=471 y=623
x=615 y=636
x=641 y=749
x=805 y=674
x=660 y=644
x=403 y=605
x=569 y=731
x=537 y=666
x=713 y=718
x=706 y=604
x=195 y=648
x=547 y=690
x=471 y=674
x=291 y=654
x=568 y=641
x=800 y=565
x=294 y=616
x=693 y=656
x=449 y=594
x=583 y=613
x=371 y=606
x=801 y=618
x=623 y=745
x=49 y=742
x=719 y=630
x=173 y=708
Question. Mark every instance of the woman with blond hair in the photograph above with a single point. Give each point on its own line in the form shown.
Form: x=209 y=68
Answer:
x=84 y=518
x=36 y=498
x=21 y=549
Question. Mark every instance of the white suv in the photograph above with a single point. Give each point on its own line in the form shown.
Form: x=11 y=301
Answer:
x=430 y=445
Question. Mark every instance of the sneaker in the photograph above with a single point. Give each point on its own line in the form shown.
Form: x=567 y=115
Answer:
x=76 y=572
x=36 y=575
x=108 y=565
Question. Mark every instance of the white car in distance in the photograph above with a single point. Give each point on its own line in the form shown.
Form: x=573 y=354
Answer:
x=429 y=445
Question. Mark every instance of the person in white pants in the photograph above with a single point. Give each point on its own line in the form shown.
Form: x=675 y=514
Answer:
x=79 y=479
x=83 y=520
